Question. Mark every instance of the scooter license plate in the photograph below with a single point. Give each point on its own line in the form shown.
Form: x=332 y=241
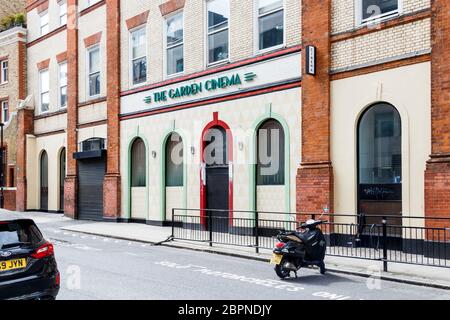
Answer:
x=276 y=259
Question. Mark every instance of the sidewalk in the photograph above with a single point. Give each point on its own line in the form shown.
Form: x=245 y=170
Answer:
x=411 y=274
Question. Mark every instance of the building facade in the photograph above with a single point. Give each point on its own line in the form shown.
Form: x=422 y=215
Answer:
x=12 y=91
x=129 y=96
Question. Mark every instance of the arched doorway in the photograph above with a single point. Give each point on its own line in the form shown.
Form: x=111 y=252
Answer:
x=173 y=173
x=216 y=182
x=380 y=164
x=43 y=164
x=62 y=177
x=138 y=180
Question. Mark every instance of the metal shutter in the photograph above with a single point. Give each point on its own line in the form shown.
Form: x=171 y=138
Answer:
x=91 y=173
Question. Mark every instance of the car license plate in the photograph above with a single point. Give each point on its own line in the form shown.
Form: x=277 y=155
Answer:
x=276 y=259
x=13 y=264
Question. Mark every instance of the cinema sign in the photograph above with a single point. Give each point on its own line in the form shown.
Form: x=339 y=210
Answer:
x=255 y=76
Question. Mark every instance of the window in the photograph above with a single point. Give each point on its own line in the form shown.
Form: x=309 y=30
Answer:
x=139 y=56
x=218 y=15
x=174 y=161
x=92 y=2
x=5 y=111
x=44 y=23
x=4 y=71
x=62 y=13
x=376 y=9
x=63 y=85
x=94 y=71
x=174 y=38
x=138 y=168
x=270 y=23
x=44 y=85
x=270 y=167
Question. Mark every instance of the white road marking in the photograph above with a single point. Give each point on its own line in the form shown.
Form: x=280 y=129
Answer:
x=276 y=284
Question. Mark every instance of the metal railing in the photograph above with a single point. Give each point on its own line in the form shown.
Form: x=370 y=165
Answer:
x=388 y=238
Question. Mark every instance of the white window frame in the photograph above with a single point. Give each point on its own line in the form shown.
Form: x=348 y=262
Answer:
x=257 y=51
x=174 y=75
x=4 y=69
x=61 y=86
x=376 y=19
x=131 y=59
x=5 y=102
x=62 y=14
x=41 y=26
x=40 y=90
x=91 y=3
x=207 y=33
x=88 y=71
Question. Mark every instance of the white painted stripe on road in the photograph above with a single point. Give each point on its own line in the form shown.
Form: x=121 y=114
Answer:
x=276 y=284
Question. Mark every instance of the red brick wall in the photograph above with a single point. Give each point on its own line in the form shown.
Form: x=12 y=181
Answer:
x=111 y=193
x=437 y=175
x=25 y=125
x=315 y=176
x=70 y=200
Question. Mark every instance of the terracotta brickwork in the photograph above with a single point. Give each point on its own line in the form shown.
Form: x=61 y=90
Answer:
x=70 y=202
x=315 y=175
x=25 y=126
x=437 y=175
x=171 y=6
x=138 y=20
x=112 y=179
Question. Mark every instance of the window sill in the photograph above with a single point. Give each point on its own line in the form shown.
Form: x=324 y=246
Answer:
x=271 y=49
x=175 y=75
x=218 y=64
x=376 y=21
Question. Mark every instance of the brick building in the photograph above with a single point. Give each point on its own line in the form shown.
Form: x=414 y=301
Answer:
x=119 y=87
x=12 y=90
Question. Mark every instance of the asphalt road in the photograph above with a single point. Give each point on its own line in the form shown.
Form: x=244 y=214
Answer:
x=98 y=268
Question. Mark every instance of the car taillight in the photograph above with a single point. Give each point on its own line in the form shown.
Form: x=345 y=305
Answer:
x=58 y=279
x=46 y=250
x=279 y=245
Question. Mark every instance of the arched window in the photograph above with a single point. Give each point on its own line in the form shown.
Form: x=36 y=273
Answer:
x=138 y=164
x=380 y=160
x=174 y=161
x=270 y=167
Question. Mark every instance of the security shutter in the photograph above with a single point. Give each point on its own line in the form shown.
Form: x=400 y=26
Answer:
x=91 y=173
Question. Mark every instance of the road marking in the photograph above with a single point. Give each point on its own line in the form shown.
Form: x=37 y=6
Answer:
x=276 y=284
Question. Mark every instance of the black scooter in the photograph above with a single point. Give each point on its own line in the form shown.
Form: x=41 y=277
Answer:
x=295 y=250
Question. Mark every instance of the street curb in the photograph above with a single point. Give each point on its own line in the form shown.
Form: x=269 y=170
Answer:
x=261 y=259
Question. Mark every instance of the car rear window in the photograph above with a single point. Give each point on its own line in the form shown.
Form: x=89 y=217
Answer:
x=18 y=232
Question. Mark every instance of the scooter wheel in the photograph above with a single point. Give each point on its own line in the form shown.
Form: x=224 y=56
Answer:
x=282 y=272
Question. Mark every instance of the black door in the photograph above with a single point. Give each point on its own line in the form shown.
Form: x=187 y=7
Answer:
x=91 y=173
x=217 y=197
x=44 y=181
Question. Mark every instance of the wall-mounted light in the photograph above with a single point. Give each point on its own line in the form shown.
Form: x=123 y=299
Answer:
x=192 y=150
x=154 y=154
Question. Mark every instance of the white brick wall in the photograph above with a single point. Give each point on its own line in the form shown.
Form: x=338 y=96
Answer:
x=90 y=24
x=389 y=43
x=343 y=12
x=242 y=34
x=37 y=53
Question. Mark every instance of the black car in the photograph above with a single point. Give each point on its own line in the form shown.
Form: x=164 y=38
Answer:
x=28 y=269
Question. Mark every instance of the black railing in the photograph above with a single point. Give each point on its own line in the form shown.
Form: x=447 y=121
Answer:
x=389 y=238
